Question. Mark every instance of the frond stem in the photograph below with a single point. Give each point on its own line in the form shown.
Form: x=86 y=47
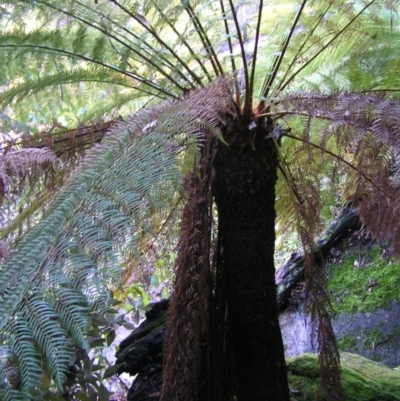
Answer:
x=228 y=35
x=168 y=218
x=205 y=40
x=254 y=60
x=279 y=57
x=162 y=43
x=247 y=107
x=326 y=46
x=36 y=204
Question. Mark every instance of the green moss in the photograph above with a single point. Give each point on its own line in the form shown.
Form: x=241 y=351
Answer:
x=362 y=379
x=364 y=281
x=304 y=365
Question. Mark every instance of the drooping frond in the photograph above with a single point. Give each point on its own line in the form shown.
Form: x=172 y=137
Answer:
x=64 y=267
x=365 y=132
x=188 y=323
x=18 y=162
x=304 y=206
x=4 y=250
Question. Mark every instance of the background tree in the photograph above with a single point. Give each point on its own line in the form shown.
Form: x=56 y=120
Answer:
x=230 y=94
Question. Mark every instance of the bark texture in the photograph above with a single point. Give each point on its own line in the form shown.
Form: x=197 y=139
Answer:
x=244 y=190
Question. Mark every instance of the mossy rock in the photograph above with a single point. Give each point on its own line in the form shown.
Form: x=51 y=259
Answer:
x=362 y=379
x=363 y=281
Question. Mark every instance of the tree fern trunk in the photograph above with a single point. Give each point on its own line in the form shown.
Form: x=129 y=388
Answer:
x=245 y=196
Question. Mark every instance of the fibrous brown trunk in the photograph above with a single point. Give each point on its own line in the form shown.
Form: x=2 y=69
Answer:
x=244 y=190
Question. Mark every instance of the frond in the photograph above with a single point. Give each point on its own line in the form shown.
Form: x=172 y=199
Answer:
x=362 y=130
x=74 y=79
x=4 y=250
x=65 y=266
x=18 y=162
x=320 y=40
x=51 y=338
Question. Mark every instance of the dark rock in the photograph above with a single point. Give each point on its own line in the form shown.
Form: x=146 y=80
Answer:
x=141 y=354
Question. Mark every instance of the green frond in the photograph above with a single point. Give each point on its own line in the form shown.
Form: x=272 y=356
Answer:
x=71 y=309
x=50 y=337
x=322 y=39
x=30 y=369
x=65 y=266
x=73 y=79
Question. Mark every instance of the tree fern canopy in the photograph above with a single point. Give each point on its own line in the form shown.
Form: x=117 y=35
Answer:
x=135 y=90
x=96 y=47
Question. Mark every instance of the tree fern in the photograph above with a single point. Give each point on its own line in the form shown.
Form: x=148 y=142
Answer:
x=299 y=82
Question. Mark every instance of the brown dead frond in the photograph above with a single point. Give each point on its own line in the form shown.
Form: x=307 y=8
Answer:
x=187 y=327
x=318 y=306
x=304 y=208
x=4 y=250
x=350 y=115
x=64 y=143
x=16 y=165
x=366 y=132
x=18 y=162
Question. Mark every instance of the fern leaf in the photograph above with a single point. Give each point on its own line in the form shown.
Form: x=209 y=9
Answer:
x=91 y=224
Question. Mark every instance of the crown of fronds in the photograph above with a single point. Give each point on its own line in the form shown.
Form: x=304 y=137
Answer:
x=116 y=52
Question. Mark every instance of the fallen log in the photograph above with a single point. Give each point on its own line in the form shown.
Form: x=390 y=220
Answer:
x=292 y=271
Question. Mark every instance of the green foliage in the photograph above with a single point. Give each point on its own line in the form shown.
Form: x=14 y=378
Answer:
x=347 y=343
